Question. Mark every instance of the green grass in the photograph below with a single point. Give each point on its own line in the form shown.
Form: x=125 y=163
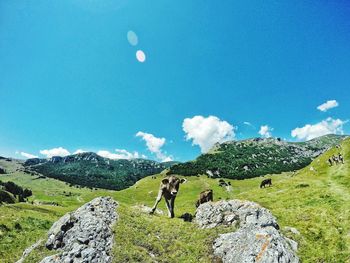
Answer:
x=147 y=238
x=317 y=203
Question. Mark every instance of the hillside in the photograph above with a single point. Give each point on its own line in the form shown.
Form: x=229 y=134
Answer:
x=314 y=201
x=92 y=170
x=256 y=157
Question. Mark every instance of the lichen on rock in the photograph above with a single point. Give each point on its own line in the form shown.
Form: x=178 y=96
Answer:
x=257 y=239
x=84 y=235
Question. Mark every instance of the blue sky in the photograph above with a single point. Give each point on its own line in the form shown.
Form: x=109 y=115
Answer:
x=70 y=77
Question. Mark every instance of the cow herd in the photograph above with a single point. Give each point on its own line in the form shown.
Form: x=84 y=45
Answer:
x=336 y=159
x=169 y=188
x=170 y=185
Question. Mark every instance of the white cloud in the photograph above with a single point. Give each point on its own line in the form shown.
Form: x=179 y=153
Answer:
x=311 y=131
x=167 y=159
x=79 y=151
x=265 y=131
x=55 y=152
x=28 y=155
x=328 y=105
x=120 y=154
x=154 y=145
x=206 y=131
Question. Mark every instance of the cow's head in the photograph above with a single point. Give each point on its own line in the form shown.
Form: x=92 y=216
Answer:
x=172 y=184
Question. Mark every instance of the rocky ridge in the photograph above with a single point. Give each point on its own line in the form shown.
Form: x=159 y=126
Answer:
x=257 y=238
x=84 y=235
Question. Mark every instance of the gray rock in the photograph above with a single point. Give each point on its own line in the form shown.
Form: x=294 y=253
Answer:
x=84 y=235
x=257 y=239
x=210 y=215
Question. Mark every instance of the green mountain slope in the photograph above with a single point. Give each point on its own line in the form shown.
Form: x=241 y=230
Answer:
x=92 y=170
x=256 y=157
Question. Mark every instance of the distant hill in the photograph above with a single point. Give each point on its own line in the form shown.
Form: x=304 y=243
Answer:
x=256 y=157
x=91 y=170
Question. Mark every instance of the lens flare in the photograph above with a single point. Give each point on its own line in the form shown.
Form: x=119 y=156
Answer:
x=140 y=56
x=132 y=38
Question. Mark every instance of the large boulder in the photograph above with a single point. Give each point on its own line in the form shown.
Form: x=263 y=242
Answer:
x=84 y=235
x=256 y=236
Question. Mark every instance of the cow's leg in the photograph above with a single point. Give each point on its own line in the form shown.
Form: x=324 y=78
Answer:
x=172 y=202
x=168 y=205
x=159 y=197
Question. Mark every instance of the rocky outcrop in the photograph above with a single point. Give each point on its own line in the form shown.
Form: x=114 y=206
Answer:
x=84 y=235
x=257 y=237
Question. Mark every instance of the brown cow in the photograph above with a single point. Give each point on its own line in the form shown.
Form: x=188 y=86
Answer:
x=168 y=188
x=204 y=197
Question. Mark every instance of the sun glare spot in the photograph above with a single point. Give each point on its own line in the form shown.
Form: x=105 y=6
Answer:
x=140 y=56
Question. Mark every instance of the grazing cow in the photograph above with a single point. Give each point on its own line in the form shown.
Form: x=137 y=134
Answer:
x=335 y=159
x=168 y=189
x=341 y=158
x=222 y=183
x=330 y=162
x=204 y=197
x=266 y=182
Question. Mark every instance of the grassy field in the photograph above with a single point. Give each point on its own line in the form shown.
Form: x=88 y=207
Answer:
x=314 y=201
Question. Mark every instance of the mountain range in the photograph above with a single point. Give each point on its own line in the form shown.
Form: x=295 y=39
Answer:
x=233 y=159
